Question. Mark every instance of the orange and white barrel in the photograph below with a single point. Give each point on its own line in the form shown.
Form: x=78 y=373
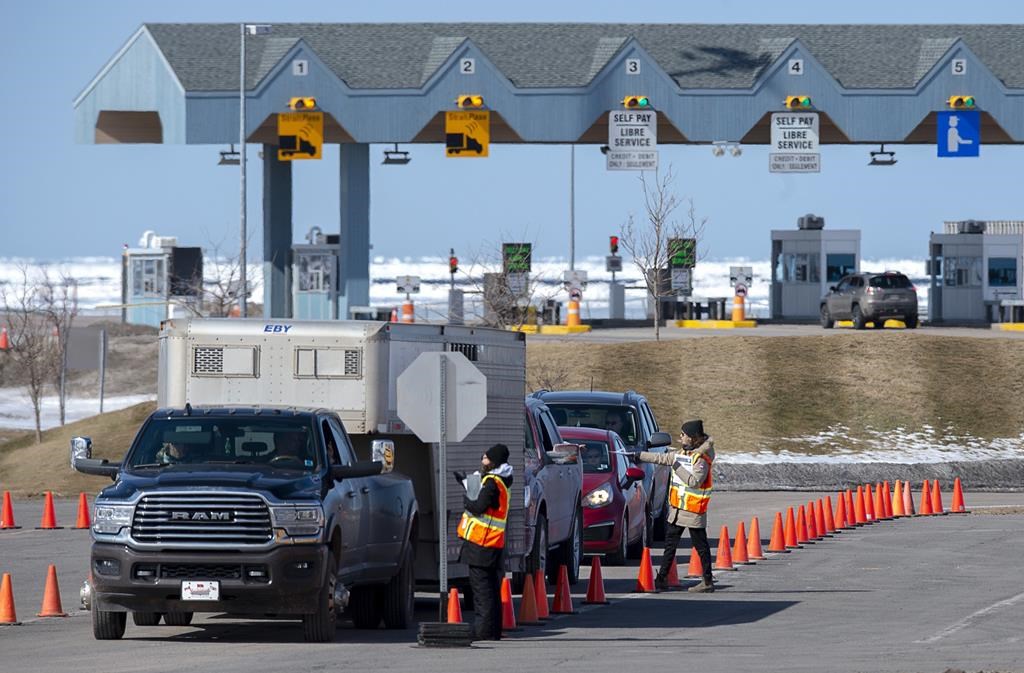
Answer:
x=573 y=319
x=407 y=312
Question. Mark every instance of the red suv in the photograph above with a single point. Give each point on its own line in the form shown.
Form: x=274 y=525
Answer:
x=614 y=500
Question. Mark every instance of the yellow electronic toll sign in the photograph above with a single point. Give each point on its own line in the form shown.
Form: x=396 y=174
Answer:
x=300 y=135
x=470 y=101
x=467 y=133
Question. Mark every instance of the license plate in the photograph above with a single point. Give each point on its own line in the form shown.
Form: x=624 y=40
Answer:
x=200 y=591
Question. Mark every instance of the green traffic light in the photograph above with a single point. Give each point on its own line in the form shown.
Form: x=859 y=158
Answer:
x=969 y=101
x=805 y=102
x=643 y=102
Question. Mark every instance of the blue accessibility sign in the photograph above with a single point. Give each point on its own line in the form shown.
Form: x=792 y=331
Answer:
x=959 y=133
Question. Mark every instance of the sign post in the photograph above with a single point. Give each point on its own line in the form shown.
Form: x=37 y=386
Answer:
x=794 y=143
x=442 y=396
x=632 y=140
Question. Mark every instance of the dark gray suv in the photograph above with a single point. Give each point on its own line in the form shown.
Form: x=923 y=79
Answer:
x=871 y=298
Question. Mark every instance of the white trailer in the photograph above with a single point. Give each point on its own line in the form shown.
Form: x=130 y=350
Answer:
x=352 y=368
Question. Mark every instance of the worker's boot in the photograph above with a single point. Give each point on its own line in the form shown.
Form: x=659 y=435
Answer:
x=660 y=583
x=706 y=586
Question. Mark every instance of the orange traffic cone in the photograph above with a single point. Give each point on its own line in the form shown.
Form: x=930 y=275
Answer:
x=812 y=526
x=563 y=599
x=394 y=315
x=83 y=512
x=754 y=551
x=5 y=342
x=926 y=500
x=696 y=569
x=528 y=605
x=851 y=514
x=908 y=500
x=887 y=500
x=869 y=505
x=49 y=521
x=739 y=549
x=859 y=515
x=51 y=596
x=777 y=544
x=672 y=580
x=819 y=519
x=897 y=501
x=7 y=613
x=830 y=523
x=790 y=531
x=508 y=612
x=958 y=498
x=595 y=588
x=937 y=499
x=645 y=580
x=723 y=560
x=540 y=585
x=841 y=517
x=801 y=527
x=878 y=509
x=7 y=513
x=454 y=607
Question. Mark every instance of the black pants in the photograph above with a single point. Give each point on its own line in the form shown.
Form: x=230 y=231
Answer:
x=486 y=584
x=699 y=540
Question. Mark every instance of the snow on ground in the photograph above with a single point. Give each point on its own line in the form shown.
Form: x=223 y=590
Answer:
x=16 y=409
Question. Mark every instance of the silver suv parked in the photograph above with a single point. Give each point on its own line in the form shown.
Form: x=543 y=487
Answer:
x=871 y=298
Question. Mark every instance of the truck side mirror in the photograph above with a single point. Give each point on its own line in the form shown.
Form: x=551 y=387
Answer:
x=82 y=460
x=659 y=439
x=383 y=452
x=81 y=449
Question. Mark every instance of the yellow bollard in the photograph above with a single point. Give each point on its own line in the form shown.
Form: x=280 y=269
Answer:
x=738 y=312
x=573 y=319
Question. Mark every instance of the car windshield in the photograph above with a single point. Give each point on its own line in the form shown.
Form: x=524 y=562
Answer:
x=896 y=281
x=267 y=443
x=620 y=419
x=595 y=456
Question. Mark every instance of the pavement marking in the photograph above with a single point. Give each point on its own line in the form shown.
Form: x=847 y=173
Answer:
x=969 y=619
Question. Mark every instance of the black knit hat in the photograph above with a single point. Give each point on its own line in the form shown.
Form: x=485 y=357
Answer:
x=693 y=429
x=497 y=454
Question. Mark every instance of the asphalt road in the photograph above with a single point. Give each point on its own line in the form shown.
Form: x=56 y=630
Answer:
x=912 y=595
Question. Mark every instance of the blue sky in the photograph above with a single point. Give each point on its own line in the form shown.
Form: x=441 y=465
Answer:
x=62 y=199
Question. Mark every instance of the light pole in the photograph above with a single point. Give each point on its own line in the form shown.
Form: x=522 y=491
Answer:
x=572 y=207
x=255 y=29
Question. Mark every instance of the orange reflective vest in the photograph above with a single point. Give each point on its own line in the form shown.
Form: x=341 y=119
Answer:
x=488 y=529
x=685 y=497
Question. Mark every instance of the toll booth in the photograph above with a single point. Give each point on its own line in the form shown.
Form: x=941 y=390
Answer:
x=805 y=262
x=159 y=280
x=315 y=276
x=975 y=272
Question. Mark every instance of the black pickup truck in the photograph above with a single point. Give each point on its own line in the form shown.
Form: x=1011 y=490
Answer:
x=249 y=511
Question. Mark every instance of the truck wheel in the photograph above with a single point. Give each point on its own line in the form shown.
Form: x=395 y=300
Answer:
x=636 y=550
x=826 y=318
x=398 y=595
x=365 y=607
x=108 y=625
x=570 y=553
x=538 y=558
x=319 y=627
x=146 y=618
x=911 y=321
x=859 y=321
x=178 y=618
x=618 y=557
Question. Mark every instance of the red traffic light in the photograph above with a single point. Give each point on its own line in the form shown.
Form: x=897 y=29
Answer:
x=453 y=264
x=613 y=244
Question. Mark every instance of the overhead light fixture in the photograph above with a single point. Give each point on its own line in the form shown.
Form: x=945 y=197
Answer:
x=229 y=157
x=605 y=149
x=882 y=158
x=719 y=147
x=736 y=150
x=395 y=157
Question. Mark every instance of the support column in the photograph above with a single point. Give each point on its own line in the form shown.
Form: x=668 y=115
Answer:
x=354 y=275
x=277 y=234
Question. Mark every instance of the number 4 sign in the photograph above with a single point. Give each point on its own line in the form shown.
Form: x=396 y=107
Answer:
x=796 y=66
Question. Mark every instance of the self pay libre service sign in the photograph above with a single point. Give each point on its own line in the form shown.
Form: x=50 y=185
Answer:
x=794 y=143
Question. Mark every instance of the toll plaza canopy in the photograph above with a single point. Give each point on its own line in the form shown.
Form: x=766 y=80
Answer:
x=543 y=83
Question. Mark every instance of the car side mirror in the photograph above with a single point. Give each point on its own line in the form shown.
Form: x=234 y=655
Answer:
x=383 y=452
x=363 y=468
x=659 y=439
x=564 y=454
x=831 y=288
x=634 y=474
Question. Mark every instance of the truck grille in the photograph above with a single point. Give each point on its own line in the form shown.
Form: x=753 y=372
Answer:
x=208 y=518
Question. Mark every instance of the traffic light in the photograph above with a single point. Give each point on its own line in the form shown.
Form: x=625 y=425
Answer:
x=798 y=102
x=961 y=102
x=453 y=265
x=636 y=102
x=304 y=103
x=613 y=244
x=470 y=101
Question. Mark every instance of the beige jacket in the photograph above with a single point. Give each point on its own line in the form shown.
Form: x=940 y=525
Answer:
x=681 y=517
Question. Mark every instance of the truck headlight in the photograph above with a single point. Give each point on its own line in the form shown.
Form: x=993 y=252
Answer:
x=110 y=519
x=298 y=520
x=599 y=497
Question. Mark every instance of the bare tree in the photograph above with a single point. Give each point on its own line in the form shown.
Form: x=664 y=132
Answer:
x=218 y=290
x=58 y=302
x=647 y=241
x=33 y=350
x=506 y=297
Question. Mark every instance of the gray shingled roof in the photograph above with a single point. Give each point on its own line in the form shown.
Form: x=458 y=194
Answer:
x=404 y=55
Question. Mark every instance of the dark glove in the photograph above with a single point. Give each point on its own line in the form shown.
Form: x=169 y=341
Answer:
x=634 y=456
x=459 y=475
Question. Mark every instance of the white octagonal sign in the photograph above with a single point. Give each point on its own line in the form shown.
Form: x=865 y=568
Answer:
x=420 y=396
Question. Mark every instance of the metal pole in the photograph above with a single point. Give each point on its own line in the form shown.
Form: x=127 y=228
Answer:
x=103 y=364
x=442 y=496
x=572 y=207
x=244 y=300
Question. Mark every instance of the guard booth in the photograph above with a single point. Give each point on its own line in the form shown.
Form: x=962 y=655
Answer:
x=975 y=272
x=806 y=262
x=315 y=276
x=158 y=279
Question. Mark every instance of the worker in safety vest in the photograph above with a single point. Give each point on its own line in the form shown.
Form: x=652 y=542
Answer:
x=689 y=494
x=482 y=530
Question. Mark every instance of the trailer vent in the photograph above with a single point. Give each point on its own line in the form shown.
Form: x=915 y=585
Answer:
x=224 y=361
x=209 y=361
x=328 y=363
x=471 y=351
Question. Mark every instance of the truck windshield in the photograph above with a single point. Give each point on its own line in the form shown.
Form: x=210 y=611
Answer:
x=619 y=419
x=269 y=443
